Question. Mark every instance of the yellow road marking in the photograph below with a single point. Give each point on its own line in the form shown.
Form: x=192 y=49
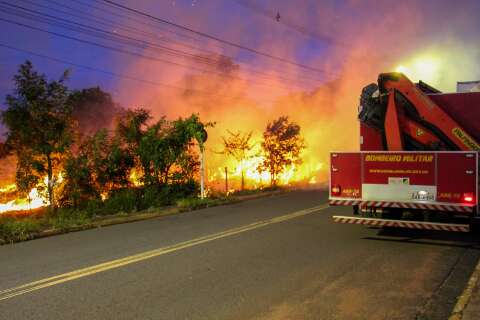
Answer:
x=117 y=263
x=464 y=298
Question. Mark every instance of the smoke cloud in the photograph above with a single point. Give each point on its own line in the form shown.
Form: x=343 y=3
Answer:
x=358 y=40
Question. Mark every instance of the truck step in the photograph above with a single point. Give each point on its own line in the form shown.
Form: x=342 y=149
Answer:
x=403 y=224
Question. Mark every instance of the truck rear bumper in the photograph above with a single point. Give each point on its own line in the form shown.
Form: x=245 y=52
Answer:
x=438 y=206
x=403 y=224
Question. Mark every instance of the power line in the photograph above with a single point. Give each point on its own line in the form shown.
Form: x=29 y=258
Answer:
x=110 y=23
x=281 y=19
x=208 y=36
x=127 y=17
x=156 y=25
x=148 y=57
x=110 y=73
x=113 y=36
x=305 y=75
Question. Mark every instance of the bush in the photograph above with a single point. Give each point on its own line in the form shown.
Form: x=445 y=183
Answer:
x=65 y=218
x=12 y=229
x=198 y=203
x=158 y=196
x=126 y=200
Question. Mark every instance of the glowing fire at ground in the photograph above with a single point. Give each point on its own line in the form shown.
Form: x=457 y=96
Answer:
x=135 y=177
x=306 y=173
x=34 y=200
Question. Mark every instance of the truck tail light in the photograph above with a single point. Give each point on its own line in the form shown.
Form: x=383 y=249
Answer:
x=336 y=190
x=468 y=197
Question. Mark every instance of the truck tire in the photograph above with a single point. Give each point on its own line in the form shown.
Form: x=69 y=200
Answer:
x=475 y=226
x=356 y=210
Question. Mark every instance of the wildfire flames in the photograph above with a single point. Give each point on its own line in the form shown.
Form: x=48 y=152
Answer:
x=34 y=200
x=324 y=104
x=306 y=173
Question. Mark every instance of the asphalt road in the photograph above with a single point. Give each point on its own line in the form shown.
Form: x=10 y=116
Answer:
x=207 y=265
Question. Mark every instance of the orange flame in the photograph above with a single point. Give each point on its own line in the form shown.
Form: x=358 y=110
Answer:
x=305 y=173
x=34 y=200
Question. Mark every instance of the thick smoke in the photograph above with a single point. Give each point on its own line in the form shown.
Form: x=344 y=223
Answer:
x=369 y=38
x=357 y=41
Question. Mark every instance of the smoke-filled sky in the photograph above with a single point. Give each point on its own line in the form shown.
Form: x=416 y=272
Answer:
x=342 y=46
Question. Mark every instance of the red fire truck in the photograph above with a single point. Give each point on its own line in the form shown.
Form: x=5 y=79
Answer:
x=418 y=160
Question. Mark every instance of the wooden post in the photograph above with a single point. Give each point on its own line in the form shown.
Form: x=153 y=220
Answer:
x=226 y=180
x=202 y=173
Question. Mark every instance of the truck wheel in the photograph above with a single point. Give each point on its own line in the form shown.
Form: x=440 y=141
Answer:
x=393 y=213
x=356 y=210
x=475 y=226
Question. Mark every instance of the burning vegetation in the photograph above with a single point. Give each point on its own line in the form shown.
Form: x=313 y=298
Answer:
x=128 y=156
x=59 y=165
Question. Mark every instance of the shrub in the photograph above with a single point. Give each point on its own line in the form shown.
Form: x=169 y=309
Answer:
x=198 y=203
x=125 y=200
x=12 y=229
x=65 y=218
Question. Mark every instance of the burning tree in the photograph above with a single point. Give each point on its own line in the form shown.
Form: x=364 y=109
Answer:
x=281 y=146
x=238 y=146
x=93 y=109
x=86 y=166
x=100 y=165
x=38 y=119
x=163 y=149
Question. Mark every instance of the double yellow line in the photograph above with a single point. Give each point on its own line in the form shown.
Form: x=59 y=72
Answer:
x=117 y=263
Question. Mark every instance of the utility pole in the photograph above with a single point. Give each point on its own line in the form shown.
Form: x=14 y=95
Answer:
x=201 y=139
x=202 y=173
x=226 y=180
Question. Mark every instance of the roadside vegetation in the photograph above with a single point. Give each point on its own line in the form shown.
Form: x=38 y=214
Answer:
x=89 y=164
x=132 y=165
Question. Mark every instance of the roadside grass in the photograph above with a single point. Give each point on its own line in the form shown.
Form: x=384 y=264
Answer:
x=248 y=192
x=18 y=229
x=198 y=203
x=127 y=204
x=66 y=219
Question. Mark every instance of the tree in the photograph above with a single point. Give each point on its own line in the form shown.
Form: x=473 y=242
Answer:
x=153 y=153
x=238 y=146
x=101 y=165
x=131 y=126
x=166 y=146
x=161 y=147
x=38 y=119
x=281 y=146
x=93 y=109
x=78 y=183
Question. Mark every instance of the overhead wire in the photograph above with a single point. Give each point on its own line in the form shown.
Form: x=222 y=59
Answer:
x=281 y=18
x=111 y=73
x=215 y=38
x=164 y=49
x=305 y=75
x=140 y=55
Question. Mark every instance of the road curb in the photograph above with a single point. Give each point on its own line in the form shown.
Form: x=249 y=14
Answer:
x=464 y=299
x=138 y=217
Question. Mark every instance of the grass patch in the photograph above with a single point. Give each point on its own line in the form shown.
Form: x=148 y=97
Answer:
x=64 y=219
x=198 y=203
x=248 y=192
x=12 y=229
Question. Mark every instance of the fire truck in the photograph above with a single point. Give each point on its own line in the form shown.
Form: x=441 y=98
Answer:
x=418 y=161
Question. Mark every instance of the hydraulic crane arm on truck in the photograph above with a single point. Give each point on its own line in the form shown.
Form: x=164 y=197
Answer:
x=410 y=119
x=418 y=158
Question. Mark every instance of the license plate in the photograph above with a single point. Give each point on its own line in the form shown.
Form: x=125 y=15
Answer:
x=422 y=196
